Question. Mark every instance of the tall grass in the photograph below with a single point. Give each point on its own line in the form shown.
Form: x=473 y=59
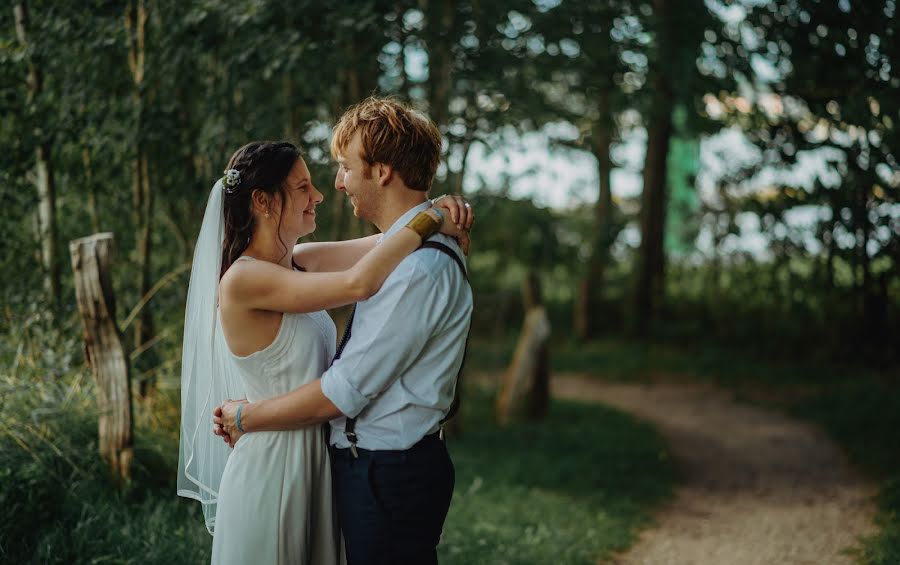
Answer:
x=60 y=504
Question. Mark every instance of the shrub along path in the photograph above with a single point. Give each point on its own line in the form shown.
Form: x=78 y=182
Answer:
x=758 y=487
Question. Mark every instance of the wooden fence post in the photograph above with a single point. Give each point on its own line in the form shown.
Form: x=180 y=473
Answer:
x=104 y=350
x=525 y=385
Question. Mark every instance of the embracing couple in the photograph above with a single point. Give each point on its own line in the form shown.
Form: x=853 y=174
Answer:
x=376 y=486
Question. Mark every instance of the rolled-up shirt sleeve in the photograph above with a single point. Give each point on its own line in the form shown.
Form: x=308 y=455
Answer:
x=389 y=330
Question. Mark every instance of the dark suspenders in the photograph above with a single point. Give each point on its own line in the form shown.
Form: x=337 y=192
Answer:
x=350 y=426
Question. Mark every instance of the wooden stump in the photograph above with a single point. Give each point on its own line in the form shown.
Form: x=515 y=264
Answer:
x=104 y=350
x=525 y=385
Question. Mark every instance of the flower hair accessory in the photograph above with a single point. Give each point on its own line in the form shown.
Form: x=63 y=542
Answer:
x=231 y=180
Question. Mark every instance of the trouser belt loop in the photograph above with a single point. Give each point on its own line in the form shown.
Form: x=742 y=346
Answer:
x=441 y=432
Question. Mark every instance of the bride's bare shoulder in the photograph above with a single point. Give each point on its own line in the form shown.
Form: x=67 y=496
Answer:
x=243 y=276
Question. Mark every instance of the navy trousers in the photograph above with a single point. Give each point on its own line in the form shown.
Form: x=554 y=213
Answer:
x=392 y=504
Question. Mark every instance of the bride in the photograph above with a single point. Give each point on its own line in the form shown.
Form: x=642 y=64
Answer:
x=255 y=327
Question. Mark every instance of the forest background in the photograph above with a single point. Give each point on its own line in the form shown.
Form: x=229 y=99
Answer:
x=716 y=175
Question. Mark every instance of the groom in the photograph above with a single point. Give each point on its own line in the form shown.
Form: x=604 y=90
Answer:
x=394 y=376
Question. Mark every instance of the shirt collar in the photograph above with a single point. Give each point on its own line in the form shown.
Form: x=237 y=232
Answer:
x=405 y=219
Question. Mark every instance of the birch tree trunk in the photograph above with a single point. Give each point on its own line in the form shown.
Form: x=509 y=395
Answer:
x=43 y=174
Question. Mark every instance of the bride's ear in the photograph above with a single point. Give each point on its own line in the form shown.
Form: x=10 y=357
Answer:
x=262 y=203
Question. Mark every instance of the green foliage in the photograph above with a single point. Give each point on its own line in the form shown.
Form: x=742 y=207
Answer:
x=68 y=511
x=220 y=74
x=65 y=506
x=615 y=358
x=571 y=489
x=863 y=414
x=825 y=86
x=884 y=548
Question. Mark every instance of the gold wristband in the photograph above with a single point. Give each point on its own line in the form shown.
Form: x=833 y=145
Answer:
x=424 y=224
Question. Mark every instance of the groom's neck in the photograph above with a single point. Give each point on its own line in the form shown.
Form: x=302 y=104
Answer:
x=396 y=205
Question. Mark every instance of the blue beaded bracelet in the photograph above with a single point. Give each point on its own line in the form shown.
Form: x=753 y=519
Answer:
x=237 y=418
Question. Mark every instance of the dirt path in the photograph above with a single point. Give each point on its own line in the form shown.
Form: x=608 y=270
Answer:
x=759 y=488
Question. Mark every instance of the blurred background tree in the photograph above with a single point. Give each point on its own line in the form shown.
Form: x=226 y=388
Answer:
x=757 y=138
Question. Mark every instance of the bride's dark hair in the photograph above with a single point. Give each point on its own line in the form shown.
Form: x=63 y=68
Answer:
x=263 y=165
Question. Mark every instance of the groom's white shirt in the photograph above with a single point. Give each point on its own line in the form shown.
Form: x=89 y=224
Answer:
x=397 y=374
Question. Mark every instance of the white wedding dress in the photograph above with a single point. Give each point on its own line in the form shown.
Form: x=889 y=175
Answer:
x=275 y=500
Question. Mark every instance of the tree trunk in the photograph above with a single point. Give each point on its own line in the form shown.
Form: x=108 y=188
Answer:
x=338 y=228
x=649 y=287
x=143 y=328
x=867 y=292
x=356 y=83
x=142 y=197
x=104 y=350
x=44 y=180
x=440 y=58
x=525 y=386
x=714 y=279
x=831 y=246
x=650 y=267
x=405 y=83
x=292 y=125
x=177 y=229
x=177 y=212
x=460 y=175
x=590 y=287
x=46 y=189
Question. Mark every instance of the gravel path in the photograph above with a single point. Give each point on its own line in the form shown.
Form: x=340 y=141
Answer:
x=758 y=488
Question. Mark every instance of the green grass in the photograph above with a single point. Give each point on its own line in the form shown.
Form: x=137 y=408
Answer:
x=571 y=489
x=630 y=360
x=857 y=406
x=61 y=506
x=566 y=490
x=863 y=415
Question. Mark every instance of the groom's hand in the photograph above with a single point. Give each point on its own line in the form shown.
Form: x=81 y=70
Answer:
x=224 y=420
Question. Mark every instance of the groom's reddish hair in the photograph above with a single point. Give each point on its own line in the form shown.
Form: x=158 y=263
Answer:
x=393 y=134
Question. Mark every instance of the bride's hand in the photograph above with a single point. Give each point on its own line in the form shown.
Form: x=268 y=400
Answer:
x=224 y=418
x=456 y=210
x=458 y=218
